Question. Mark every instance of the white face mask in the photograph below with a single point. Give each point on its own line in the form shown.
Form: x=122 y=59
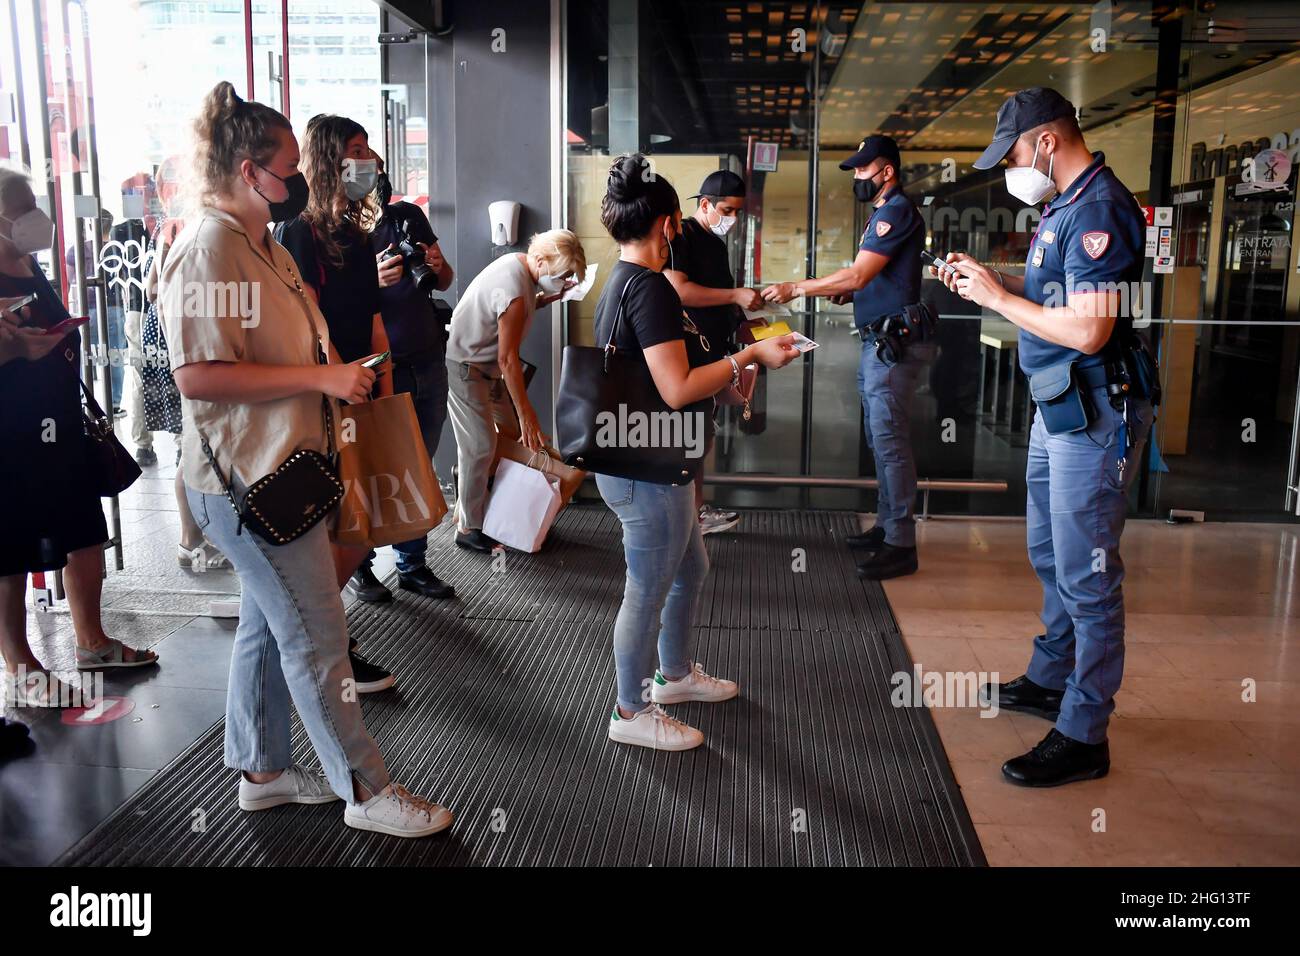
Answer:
x=1029 y=185
x=722 y=226
x=31 y=232
x=549 y=284
x=360 y=176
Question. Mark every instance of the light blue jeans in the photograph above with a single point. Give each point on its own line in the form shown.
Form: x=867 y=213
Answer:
x=291 y=643
x=1075 y=509
x=666 y=566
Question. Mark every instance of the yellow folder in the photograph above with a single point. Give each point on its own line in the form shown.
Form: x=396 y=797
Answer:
x=776 y=328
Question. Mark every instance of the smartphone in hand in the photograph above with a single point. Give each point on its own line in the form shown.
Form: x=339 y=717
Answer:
x=67 y=325
x=12 y=305
x=930 y=259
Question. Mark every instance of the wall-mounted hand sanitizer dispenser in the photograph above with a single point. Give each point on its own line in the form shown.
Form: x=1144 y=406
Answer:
x=504 y=217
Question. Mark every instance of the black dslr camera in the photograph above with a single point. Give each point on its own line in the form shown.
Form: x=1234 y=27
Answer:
x=426 y=280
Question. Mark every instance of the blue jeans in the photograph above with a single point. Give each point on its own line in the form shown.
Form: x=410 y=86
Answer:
x=666 y=566
x=426 y=383
x=1075 y=509
x=291 y=644
x=887 y=420
x=117 y=346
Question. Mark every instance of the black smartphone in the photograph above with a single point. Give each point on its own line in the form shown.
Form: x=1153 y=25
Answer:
x=375 y=360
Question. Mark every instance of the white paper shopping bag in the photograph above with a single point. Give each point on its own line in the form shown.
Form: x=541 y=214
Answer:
x=522 y=506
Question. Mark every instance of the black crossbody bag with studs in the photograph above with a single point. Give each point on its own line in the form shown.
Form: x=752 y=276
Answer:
x=305 y=487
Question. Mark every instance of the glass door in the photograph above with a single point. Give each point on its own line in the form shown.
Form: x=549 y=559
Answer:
x=1225 y=442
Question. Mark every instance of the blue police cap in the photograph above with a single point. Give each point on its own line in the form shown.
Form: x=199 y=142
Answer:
x=1020 y=113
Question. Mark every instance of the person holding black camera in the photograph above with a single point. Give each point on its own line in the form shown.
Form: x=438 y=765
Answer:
x=411 y=269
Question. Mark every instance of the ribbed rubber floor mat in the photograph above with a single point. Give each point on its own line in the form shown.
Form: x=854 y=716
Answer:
x=503 y=698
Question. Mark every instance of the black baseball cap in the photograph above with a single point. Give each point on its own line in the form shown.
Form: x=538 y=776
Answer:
x=722 y=183
x=871 y=147
x=1020 y=113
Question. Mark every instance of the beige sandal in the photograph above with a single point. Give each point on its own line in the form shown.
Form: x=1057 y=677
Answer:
x=203 y=558
x=112 y=656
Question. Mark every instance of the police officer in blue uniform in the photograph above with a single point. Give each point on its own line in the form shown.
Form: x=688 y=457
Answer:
x=1093 y=384
x=897 y=342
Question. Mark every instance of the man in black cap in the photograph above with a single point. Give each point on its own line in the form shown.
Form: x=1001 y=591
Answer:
x=700 y=270
x=1093 y=383
x=885 y=282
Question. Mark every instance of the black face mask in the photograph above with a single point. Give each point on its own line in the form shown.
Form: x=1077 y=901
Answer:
x=292 y=205
x=865 y=190
x=384 y=190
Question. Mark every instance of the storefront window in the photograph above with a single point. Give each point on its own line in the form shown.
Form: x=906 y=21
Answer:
x=813 y=79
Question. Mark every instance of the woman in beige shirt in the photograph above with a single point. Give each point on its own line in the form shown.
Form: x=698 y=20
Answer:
x=249 y=351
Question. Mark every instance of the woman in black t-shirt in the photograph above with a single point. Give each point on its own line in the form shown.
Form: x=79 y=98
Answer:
x=664 y=552
x=330 y=242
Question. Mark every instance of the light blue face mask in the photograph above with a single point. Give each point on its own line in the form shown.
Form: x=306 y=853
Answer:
x=360 y=176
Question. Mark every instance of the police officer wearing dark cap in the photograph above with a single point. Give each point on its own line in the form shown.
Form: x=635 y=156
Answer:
x=1094 y=385
x=897 y=341
x=700 y=270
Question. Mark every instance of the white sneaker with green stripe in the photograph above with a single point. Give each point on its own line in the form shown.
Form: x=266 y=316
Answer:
x=697 y=685
x=654 y=729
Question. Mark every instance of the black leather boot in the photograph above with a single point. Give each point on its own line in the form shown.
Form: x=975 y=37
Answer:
x=367 y=587
x=1026 y=697
x=887 y=562
x=867 y=540
x=1058 y=759
x=424 y=582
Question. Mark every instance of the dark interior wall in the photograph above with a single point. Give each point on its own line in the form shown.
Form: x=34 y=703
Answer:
x=489 y=139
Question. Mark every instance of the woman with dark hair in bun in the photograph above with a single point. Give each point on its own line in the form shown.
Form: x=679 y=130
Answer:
x=662 y=545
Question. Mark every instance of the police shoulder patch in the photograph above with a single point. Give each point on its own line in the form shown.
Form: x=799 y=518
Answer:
x=883 y=227
x=1095 y=243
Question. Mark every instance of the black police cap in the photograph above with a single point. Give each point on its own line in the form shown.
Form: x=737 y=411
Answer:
x=871 y=147
x=1020 y=113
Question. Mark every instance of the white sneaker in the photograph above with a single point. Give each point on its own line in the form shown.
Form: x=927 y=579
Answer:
x=295 y=785
x=398 y=812
x=697 y=685
x=654 y=729
x=713 y=521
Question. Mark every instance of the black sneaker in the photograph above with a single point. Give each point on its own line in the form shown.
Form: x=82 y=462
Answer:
x=144 y=457
x=1058 y=759
x=887 y=562
x=370 y=678
x=867 y=540
x=1025 y=696
x=424 y=582
x=475 y=540
x=366 y=587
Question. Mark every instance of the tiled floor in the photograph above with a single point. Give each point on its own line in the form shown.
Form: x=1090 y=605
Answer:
x=1198 y=776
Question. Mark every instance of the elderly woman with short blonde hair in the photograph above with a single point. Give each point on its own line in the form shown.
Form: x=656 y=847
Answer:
x=486 y=390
